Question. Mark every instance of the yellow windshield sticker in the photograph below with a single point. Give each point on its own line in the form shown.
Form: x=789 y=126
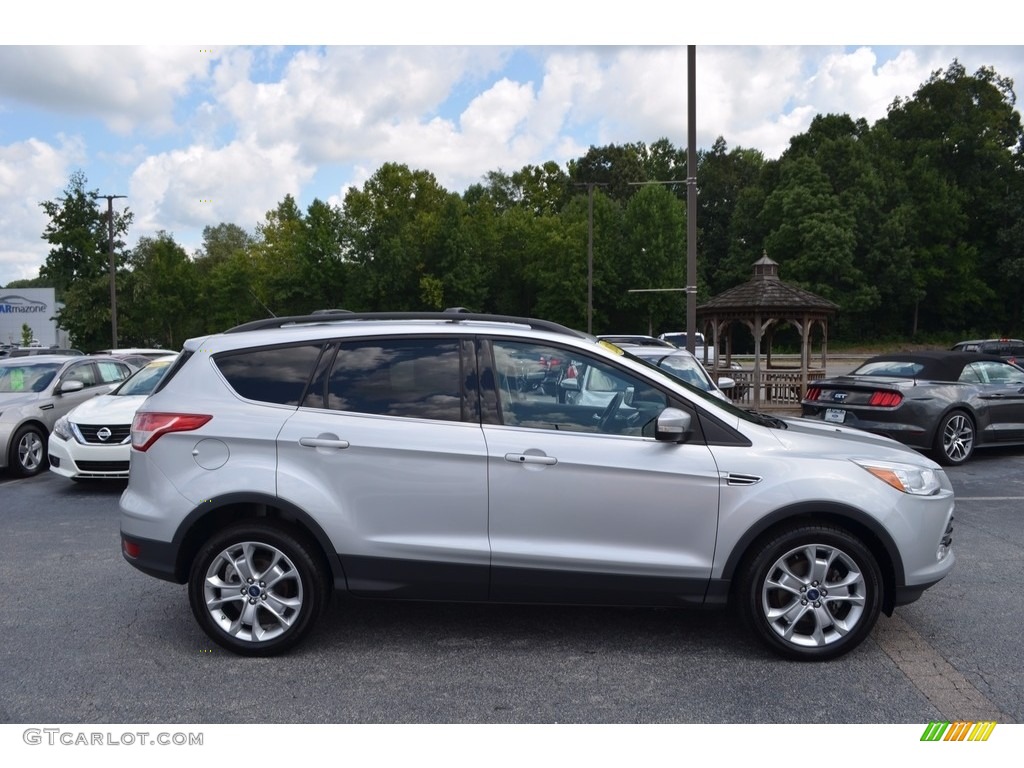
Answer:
x=611 y=347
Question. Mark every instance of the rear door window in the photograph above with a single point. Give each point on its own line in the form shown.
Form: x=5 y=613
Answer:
x=424 y=378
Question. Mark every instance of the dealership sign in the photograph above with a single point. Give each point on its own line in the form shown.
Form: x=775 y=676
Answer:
x=34 y=307
x=19 y=304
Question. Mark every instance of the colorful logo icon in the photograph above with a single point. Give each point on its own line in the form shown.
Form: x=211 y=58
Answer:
x=958 y=731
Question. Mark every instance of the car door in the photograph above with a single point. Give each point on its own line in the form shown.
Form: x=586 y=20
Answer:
x=387 y=452
x=62 y=400
x=1002 y=394
x=585 y=505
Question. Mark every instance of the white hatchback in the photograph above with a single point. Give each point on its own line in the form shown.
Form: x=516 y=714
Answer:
x=94 y=439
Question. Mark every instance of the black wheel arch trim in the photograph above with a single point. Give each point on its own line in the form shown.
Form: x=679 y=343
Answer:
x=215 y=513
x=818 y=512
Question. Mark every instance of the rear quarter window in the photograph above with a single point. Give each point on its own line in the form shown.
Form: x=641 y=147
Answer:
x=270 y=375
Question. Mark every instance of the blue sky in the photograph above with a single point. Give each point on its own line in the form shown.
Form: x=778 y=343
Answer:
x=196 y=132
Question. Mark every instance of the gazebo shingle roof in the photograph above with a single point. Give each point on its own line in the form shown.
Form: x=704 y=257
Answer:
x=767 y=291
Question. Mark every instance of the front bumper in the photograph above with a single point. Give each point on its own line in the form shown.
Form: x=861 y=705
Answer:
x=71 y=459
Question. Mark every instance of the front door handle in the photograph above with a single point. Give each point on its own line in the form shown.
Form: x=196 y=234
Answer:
x=525 y=458
x=322 y=442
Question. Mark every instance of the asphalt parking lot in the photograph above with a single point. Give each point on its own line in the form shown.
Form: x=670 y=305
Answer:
x=90 y=640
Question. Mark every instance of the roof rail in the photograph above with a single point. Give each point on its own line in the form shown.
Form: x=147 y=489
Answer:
x=344 y=316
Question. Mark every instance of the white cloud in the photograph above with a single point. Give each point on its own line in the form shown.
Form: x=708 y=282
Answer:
x=126 y=87
x=31 y=172
x=191 y=188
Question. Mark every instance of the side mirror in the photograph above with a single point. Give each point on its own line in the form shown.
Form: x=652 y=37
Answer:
x=572 y=385
x=726 y=383
x=74 y=385
x=672 y=426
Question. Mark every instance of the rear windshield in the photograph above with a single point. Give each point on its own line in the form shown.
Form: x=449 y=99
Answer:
x=899 y=368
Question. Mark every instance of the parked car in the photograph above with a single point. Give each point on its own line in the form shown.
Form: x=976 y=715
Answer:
x=945 y=403
x=35 y=351
x=679 y=339
x=635 y=340
x=1011 y=350
x=392 y=456
x=92 y=440
x=597 y=389
x=36 y=391
x=148 y=352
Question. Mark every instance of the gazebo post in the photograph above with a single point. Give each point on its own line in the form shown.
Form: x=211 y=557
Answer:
x=770 y=301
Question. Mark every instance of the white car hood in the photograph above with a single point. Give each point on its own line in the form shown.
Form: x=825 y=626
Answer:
x=107 y=410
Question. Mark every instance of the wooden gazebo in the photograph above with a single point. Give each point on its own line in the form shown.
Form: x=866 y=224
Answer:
x=763 y=304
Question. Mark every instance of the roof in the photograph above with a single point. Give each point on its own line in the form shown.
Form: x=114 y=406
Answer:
x=767 y=291
x=936 y=365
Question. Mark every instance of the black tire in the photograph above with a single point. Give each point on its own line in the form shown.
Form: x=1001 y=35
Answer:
x=28 y=451
x=955 y=439
x=807 y=612
x=257 y=589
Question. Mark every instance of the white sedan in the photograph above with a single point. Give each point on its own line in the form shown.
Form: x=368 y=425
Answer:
x=94 y=439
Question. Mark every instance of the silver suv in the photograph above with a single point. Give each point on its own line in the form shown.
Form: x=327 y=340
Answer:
x=416 y=456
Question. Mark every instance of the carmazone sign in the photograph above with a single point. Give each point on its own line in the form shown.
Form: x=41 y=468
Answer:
x=28 y=306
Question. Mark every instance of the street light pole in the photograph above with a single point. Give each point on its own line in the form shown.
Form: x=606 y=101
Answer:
x=110 y=249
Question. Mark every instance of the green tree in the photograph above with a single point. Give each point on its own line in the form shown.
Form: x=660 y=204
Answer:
x=960 y=140
x=385 y=231
x=654 y=256
x=26 y=334
x=722 y=177
x=79 y=236
x=160 y=293
x=225 y=275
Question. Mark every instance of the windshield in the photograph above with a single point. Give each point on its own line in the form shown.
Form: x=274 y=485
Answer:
x=27 y=377
x=143 y=381
x=675 y=375
x=755 y=417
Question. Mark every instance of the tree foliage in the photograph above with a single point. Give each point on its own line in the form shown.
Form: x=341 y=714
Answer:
x=913 y=225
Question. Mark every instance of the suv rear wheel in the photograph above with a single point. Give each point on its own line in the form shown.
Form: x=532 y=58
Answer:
x=256 y=589
x=811 y=592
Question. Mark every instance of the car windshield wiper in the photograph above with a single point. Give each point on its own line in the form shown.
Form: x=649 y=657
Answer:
x=768 y=420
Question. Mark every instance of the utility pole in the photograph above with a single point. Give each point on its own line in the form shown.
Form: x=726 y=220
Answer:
x=110 y=248
x=691 y=200
x=590 y=250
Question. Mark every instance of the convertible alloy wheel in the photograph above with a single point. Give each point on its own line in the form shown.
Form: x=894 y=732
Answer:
x=955 y=439
x=812 y=593
x=255 y=589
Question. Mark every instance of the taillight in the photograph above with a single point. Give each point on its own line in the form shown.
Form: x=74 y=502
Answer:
x=813 y=393
x=885 y=399
x=147 y=427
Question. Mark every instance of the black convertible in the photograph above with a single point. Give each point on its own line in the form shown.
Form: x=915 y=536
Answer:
x=946 y=403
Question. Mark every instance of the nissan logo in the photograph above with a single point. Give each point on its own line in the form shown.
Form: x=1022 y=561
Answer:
x=104 y=433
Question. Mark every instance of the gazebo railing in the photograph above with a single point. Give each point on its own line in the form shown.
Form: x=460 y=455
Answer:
x=778 y=387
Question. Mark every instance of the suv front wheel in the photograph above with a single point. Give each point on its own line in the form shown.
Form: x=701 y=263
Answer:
x=256 y=589
x=811 y=592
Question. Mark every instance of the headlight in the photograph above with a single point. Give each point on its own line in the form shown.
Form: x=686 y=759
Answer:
x=919 y=481
x=62 y=428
